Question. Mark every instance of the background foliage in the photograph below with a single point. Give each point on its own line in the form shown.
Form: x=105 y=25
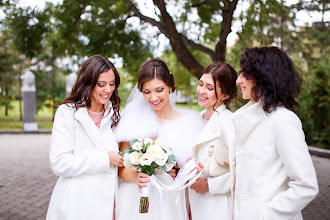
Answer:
x=188 y=34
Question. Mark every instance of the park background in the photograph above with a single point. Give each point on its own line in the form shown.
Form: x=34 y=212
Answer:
x=53 y=38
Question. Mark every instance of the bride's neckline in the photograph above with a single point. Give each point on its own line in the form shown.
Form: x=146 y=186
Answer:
x=173 y=115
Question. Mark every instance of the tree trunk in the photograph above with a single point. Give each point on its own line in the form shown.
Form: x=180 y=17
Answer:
x=6 y=101
x=20 y=95
x=179 y=42
x=227 y=16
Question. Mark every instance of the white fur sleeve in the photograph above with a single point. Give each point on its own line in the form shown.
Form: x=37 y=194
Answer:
x=137 y=120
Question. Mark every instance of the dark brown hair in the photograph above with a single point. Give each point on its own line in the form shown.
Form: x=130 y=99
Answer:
x=86 y=81
x=276 y=80
x=226 y=77
x=155 y=68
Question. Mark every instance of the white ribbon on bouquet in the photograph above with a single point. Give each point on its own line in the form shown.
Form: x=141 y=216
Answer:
x=187 y=175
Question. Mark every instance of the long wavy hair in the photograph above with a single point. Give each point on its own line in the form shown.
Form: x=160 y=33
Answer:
x=86 y=81
x=225 y=76
x=276 y=80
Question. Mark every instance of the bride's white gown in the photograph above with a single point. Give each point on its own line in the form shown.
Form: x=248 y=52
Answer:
x=139 y=120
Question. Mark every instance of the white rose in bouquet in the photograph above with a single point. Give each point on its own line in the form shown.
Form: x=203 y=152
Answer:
x=134 y=157
x=148 y=141
x=169 y=166
x=167 y=149
x=137 y=146
x=156 y=151
x=161 y=161
x=146 y=160
x=127 y=162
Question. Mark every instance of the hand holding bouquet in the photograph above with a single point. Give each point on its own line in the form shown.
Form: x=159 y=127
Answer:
x=147 y=156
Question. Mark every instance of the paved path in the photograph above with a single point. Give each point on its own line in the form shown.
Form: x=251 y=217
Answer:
x=28 y=181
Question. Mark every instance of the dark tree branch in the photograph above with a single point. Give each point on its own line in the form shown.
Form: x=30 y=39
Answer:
x=220 y=49
x=179 y=42
x=147 y=19
x=168 y=28
x=198 y=46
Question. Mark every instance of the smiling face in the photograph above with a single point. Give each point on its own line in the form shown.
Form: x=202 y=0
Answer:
x=246 y=86
x=206 y=93
x=103 y=90
x=156 y=92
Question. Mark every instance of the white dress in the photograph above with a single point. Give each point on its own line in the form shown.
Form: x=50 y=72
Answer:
x=139 y=120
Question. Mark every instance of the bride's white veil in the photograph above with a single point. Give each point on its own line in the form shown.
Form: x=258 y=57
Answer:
x=136 y=94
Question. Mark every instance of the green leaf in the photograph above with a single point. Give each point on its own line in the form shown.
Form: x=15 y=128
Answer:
x=121 y=153
x=163 y=168
x=145 y=147
x=149 y=170
x=170 y=158
x=133 y=142
x=127 y=150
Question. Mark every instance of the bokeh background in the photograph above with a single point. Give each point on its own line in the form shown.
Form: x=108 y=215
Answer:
x=53 y=38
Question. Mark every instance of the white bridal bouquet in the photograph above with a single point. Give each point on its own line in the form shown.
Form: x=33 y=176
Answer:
x=148 y=156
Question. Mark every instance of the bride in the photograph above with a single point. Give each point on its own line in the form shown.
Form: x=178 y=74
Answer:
x=153 y=116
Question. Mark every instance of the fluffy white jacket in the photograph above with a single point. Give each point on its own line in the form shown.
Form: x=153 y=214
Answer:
x=138 y=119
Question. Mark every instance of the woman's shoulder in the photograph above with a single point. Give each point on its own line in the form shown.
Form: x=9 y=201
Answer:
x=138 y=104
x=136 y=111
x=137 y=120
x=281 y=116
x=189 y=114
x=226 y=113
x=190 y=119
x=65 y=109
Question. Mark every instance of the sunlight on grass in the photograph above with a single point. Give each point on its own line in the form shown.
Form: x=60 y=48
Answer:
x=44 y=117
x=12 y=120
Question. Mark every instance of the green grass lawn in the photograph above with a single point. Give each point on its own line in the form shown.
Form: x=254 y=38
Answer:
x=12 y=120
x=44 y=117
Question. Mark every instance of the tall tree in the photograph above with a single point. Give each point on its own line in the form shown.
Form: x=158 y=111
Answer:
x=215 y=15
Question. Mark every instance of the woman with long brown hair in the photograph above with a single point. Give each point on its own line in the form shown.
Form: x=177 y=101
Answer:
x=84 y=151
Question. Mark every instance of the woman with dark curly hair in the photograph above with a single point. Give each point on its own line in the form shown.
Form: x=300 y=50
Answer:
x=83 y=150
x=275 y=176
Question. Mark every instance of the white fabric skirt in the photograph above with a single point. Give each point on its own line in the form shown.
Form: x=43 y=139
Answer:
x=128 y=201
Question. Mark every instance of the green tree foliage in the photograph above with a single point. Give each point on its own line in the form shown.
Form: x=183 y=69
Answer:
x=31 y=32
x=270 y=22
x=8 y=75
x=313 y=48
x=26 y=27
x=93 y=27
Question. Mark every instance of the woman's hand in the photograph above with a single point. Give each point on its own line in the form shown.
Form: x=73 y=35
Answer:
x=201 y=185
x=174 y=171
x=142 y=180
x=116 y=159
x=199 y=167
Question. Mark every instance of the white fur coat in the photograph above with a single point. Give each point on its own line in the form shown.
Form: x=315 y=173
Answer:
x=139 y=120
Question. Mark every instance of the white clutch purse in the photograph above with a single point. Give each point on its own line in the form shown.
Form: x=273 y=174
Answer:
x=218 y=161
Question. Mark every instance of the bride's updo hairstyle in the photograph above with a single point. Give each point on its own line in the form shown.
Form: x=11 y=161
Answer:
x=155 y=68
